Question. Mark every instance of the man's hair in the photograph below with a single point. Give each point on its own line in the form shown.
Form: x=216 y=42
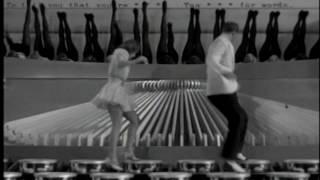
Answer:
x=230 y=27
x=131 y=46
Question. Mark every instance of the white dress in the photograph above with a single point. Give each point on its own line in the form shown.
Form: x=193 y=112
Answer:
x=114 y=91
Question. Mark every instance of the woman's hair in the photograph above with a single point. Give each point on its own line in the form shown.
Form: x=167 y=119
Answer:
x=230 y=27
x=132 y=46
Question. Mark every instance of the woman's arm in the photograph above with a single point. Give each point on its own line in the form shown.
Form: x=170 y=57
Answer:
x=140 y=59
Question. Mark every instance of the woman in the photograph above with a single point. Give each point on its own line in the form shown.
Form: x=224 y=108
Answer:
x=115 y=98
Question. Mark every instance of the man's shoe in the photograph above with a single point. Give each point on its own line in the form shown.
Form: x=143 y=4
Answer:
x=236 y=167
x=241 y=157
x=113 y=165
x=130 y=157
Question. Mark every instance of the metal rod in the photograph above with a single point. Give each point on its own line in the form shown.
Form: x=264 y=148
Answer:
x=146 y=113
x=193 y=140
x=170 y=140
x=69 y=139
x=148 y=140
x=163 y=111
x=169 y=119
x=205 y=139
x=46 y=139
x=181 y=118
x=218 y=137
x=188 y=116
x=181 y=140
x=56 y=139
x=154 y=113
x=175 y=117
x=207 y=118
x=159 y=140
x=213 y=113
x=264 y=139
x=253 y=139
x=195 y=114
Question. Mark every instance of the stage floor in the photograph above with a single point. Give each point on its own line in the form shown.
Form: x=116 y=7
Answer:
x=167 y=154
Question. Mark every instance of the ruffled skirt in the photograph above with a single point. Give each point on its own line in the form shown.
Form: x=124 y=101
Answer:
x=114 y=93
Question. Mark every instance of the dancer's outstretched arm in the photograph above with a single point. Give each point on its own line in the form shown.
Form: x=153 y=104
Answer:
x=140 y=59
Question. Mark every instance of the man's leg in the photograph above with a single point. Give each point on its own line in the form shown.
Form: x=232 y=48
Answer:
x=237 y=118
x=229 y=106
x=243 y=128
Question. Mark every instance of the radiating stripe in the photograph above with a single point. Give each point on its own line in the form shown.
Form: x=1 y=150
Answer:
x=169 y=108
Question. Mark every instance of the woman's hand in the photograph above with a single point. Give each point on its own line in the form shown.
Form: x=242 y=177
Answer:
x=138 y=60
x=143 y=59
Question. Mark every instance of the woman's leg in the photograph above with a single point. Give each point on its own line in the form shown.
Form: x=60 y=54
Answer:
x=132 y=132
x=37 y=48
x=88 y=51
x=116 y=118
x=48 y=46
x=72 y=50
x=62 y=49
x=98 y=52
x=26 y=39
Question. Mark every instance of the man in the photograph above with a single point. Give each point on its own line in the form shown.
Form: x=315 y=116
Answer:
x=222 y=87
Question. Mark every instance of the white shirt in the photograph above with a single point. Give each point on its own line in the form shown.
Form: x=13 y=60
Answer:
x=220 y=59
x=115 y=71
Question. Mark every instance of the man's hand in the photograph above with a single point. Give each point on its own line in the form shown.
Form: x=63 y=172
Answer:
x=230 y=75
x=143 y=59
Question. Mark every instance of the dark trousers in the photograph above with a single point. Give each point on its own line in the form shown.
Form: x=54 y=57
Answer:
x=229 y=106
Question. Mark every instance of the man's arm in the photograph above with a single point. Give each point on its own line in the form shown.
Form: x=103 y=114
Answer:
x=216 y=50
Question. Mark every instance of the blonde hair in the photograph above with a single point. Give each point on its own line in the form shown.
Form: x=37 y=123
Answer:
x=132 y=46
x=230 y=27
